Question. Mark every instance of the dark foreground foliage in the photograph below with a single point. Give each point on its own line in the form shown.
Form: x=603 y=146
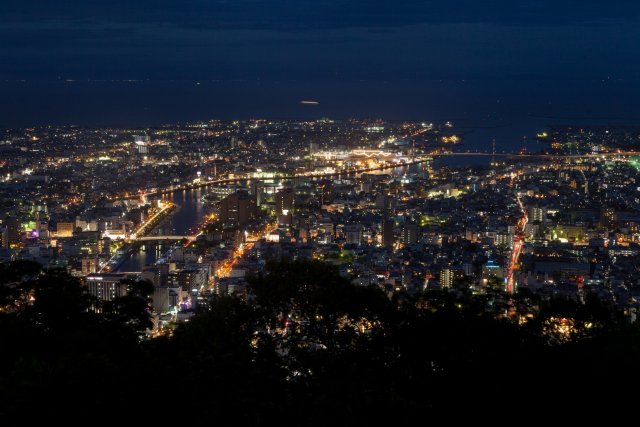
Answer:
x=307 y=349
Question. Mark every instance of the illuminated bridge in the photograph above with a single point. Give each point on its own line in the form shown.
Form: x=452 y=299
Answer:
x=156 y=238
x=358 y=153
x=387 y=160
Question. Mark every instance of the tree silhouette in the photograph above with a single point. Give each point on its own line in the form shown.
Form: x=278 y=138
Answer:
x=134 y=308
x=306 y=347
x=57 y=349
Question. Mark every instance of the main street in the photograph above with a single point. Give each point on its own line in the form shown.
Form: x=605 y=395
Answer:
x=518 y=241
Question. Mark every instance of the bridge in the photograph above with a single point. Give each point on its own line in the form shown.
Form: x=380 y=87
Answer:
x=159 y=238
x=345 y=155
x=538 y=155
x=406 y=161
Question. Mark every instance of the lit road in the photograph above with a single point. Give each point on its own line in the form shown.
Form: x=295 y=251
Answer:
x=163 y=237
x=518 y=240
x=225 y=269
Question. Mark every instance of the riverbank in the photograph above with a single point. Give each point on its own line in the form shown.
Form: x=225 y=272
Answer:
x=181 y=187
x=126 y=250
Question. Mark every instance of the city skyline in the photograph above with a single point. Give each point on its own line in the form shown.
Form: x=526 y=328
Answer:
x=275 y=253
x=318 y=212
x=498 y=65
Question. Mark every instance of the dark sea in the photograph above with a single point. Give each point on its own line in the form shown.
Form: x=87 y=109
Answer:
x=507 y=110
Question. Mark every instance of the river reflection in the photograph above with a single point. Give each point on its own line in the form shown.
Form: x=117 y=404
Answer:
x=191 y=211
x=182 y=222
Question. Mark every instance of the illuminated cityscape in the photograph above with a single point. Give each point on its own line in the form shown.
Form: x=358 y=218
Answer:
x=196 y=209
x=314 y=213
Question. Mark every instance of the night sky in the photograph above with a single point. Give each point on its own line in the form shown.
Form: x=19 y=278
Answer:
x=69 y=61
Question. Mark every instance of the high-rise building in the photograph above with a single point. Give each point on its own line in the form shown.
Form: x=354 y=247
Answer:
x=13 y=231
x=187 y=279
x=165 y=298
x=387 y=233
x=410 y=233
x=65 y=229
x=107 y=287
x=151 y=273
x=353 y=234
x=384 y=202
x=89 y=264
x=449 y=275
x=538 y=214
x=503 y=239
x=238 y=208
x=141 y=144
x=284 y=201
x=4 y=237
x=284 y=206
x=493 y=269
x=607 y=217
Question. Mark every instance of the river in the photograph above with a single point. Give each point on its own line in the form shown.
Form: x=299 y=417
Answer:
x=182 y=222
x=191 y=211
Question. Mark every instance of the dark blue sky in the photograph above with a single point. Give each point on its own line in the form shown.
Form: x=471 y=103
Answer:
x=259 y=57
